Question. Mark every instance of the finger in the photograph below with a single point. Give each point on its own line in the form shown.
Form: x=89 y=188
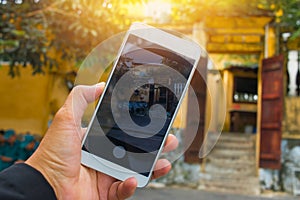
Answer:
x=122 y=190
x=162 y=167
x=104 y=185
x=171 y=143
x=71 y=112
x=80 y=97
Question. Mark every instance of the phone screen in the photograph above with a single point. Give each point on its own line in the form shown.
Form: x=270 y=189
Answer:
x=138 y=105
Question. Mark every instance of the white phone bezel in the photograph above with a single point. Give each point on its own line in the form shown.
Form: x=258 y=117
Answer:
x=184 y=47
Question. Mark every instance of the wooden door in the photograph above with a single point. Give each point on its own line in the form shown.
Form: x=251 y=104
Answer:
x=198 y=83
x=271 y=112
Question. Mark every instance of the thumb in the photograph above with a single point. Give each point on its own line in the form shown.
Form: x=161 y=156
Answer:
x=79 y=99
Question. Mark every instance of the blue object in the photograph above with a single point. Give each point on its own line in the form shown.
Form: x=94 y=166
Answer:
x=8 y=134
x=27 y=139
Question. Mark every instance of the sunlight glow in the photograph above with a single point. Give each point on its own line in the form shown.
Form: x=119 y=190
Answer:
x=107 y=4
x=159 y=11
x=18 y=1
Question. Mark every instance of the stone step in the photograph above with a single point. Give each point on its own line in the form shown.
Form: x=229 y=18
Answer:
x=230 y=172
x=232 y=176
x=248 y=185
x=231 y=164
x=232 y=145
x=232 y=152
x=237 y=137
x=229 y=180
x=235 y=157
x=235 y=145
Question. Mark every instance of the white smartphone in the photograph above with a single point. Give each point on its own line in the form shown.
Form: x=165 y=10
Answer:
x=139 y=103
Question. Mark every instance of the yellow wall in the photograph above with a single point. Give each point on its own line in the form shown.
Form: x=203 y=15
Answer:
x=292 y=117
x=25 y=100
x=215 y=103
x=28 y=102
x=271 y=42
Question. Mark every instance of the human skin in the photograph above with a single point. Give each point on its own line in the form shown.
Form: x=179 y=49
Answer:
x=58 y=157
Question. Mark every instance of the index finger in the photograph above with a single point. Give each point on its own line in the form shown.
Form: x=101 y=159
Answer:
x=171 y=143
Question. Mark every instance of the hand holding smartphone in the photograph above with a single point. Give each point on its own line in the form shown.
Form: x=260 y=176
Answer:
x=139 y=103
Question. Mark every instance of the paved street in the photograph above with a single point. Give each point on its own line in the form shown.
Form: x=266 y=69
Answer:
x=189 y=194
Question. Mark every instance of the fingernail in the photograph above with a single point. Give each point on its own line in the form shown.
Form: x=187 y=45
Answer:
x=101 y=84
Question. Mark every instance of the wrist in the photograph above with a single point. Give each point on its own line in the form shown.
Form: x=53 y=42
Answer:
x=57 y=181
x=46 y=171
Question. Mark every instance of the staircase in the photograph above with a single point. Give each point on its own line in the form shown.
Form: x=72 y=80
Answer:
x=230 y=166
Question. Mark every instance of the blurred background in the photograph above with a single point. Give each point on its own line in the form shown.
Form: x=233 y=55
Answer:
x=252 y=70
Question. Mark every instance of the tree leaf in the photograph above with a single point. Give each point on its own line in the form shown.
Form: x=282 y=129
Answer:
x=18 y=33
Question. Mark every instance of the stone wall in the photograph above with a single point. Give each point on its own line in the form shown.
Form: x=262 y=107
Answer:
x=283 y=180
x=291 y=161
x=290 y=147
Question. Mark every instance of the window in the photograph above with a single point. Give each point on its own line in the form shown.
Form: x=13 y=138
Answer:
x=245 y=90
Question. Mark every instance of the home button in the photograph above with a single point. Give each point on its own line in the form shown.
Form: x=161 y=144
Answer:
x=119 y=152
